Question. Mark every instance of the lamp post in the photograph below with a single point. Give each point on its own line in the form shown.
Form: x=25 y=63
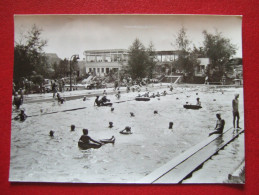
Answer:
x=118 y=71
x=75 y=56
x=172 y=61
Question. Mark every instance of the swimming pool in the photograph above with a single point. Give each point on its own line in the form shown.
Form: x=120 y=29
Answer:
x=37 y=157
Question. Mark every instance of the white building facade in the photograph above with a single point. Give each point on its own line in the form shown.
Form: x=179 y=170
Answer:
x=101 y=62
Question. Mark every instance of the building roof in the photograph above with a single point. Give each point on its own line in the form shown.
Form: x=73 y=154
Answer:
x=107 y=51
x=101 y=51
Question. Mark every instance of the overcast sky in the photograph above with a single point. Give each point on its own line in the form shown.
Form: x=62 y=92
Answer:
x=73 y=34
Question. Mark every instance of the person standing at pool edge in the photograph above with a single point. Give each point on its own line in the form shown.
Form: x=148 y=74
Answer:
x=235 y=111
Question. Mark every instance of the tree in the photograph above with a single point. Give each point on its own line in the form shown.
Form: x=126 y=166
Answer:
x=219 y=50
x=151 y=62
x=187 y=59
x=182 y=42
x=138 y=60
x=61 y=69
x=29 y=56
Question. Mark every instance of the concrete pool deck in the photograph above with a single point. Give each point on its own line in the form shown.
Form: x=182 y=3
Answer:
x=71 y=95
x=179 y=168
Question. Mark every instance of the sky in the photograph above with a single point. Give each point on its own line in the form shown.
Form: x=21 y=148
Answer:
x=73 y=34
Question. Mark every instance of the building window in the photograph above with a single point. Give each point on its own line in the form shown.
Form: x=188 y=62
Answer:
x=98 y=69
x=107 y=70
x=90 y=69
x=102 y=70
x=94 y=69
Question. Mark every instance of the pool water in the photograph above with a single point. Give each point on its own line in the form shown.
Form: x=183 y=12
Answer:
x=35 y=156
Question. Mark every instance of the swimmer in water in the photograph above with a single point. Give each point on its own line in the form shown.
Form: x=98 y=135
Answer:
x=22 y=116
x=51 y=133
x=164 y=93
x=118 y=94
x=87 y=141
x=60 y=99
x=127 y=130
x=104 y=100
x=153 y=95
x=97 y=101
x=198 y=103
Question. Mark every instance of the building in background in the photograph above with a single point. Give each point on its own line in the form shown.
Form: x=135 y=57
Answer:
x=201 y=69
x=101 y=62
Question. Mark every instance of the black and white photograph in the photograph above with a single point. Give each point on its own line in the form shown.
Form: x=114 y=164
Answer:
x=136 y=99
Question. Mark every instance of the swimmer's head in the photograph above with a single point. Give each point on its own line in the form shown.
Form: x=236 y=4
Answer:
x=85 y=131
x=236 y=95
x=51 y=133
x=127 y=128
x=218 y=115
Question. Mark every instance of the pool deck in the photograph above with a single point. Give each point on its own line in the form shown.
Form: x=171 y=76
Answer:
x=72 y=95
x=181 y=167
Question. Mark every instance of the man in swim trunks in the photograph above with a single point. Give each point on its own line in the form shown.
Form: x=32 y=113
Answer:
x=235 y=111
x=219 y=125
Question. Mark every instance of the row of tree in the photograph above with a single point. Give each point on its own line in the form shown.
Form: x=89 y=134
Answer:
x=217 y=48
x=30 y=61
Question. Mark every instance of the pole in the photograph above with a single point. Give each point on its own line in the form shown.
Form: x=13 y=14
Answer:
x=70 y=63
x=171 y=69
x=70 y=72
